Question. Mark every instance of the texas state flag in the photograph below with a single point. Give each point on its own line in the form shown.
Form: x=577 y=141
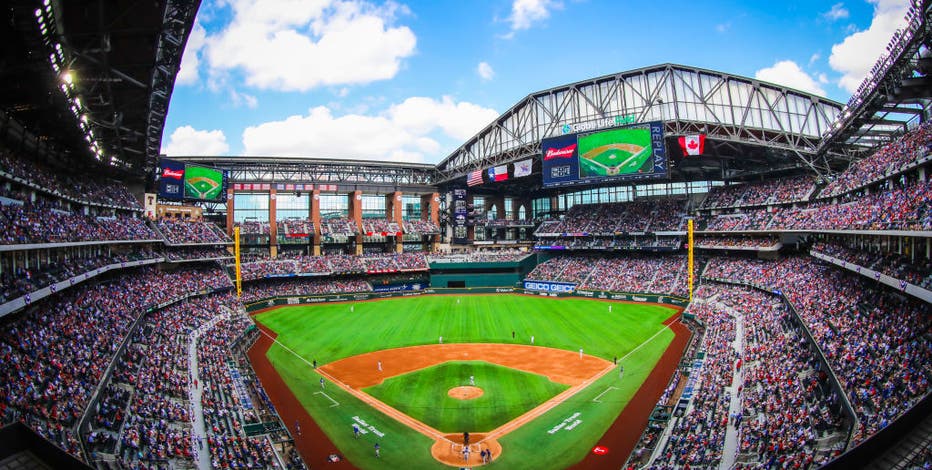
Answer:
x=693 y=144
x=498 y=173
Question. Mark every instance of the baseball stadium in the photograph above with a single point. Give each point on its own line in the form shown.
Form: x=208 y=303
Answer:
x=664 y=267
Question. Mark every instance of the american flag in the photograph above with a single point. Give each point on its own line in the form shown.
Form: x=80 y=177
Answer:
x=474 y=178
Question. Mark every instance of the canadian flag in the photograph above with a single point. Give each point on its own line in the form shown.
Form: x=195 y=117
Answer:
x=692 y=144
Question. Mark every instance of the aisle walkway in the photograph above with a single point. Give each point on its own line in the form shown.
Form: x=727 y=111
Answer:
x=730 y=447
x=198 y=432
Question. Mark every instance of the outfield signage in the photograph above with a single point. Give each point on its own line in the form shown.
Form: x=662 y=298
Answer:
x=586 y=156
x=171 y=179
x=179 y=181
x=557 y=287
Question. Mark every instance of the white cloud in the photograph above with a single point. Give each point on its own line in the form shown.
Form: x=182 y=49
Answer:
x=837 y=12
x=788 y=73
x=858 y=52
x=297 y=45
x=242 y=99
x=485 y=71
x=814 y=58
x=408 y=131
x=188 y=74
x=524 y=13
x=723 y=27
x=186 y=141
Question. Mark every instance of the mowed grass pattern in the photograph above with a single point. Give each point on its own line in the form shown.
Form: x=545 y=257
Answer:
x=507 y=394
x=328 y=332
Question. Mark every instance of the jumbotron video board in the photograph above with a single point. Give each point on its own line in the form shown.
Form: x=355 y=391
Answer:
x=180 y=181
x=629 y=153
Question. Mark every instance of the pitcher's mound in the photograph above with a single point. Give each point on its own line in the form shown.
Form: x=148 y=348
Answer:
x=465 y=392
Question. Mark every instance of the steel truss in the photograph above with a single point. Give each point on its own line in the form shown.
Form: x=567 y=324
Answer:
x=373 y=176
x=725 y=107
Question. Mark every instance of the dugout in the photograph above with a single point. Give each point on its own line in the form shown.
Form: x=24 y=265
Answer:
x=480 y=274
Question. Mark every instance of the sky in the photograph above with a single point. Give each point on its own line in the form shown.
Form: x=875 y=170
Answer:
x=413 y=80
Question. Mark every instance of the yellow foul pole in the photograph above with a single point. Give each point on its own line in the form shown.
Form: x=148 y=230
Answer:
x=689 y=257
x=239 y=277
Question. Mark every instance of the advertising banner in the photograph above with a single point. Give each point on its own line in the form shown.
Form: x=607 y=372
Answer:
x=170 y=174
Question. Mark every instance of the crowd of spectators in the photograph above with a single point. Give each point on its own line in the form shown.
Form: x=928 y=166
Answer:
x=480 y=256
x=646 y=243
x=897 y=266
x=266 y=288
x=634 y=273
x=423 y=227
x=655 y=215
x=907 y=207
x=179 y=231
x=383 y=227
x=297 y=264
x=252 y=227
x=908 y=149
x=41 y=222
x=697 y=438
x=84 y=189
x=196 y=253
x=504 y=223
x=18 y=281
x=144 y=416
x=295 y=228
x=775 y=191
x=338 y=226
x=225 y=410
x=737 y=242
x=875 y=340
x=55 y=353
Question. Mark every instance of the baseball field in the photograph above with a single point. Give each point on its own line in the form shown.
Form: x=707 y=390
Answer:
x=414 y=373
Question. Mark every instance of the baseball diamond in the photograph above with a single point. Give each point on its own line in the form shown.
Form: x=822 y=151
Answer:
x=406 y=401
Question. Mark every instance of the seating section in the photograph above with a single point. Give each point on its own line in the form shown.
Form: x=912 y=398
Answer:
x=787 y=415
x=875 y=340
x=901 y=267
x=42 y=222
x=55 y=354
x=338 y=226
x=84 y=189
x=737 y=242
x=296 y=264
x=908 y=149
x=303 y=287
x=775 y=191
x=645 y=274
x=645 y=243
x=624 y=217
x=185 y=231
x=20 y=281
x=423 y=227
x=902 y=208
x=383 y=227
x=482 y=256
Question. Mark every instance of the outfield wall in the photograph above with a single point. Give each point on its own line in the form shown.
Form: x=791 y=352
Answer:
x=361 y=296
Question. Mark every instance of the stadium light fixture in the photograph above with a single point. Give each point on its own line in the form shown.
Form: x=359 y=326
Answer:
x=67 y=77
x=38 y=12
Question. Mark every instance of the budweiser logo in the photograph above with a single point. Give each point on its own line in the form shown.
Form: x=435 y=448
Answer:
x=169 y=173
x=564 y=152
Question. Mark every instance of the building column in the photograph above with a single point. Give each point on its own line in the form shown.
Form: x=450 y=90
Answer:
x=314 y=216
x=394 y=212
x=355 y=214
x=430 y=210
x=273 y=222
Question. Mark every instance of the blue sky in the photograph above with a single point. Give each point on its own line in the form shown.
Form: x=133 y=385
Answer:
x=411 y=81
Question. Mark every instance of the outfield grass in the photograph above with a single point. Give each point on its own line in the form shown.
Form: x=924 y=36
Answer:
x=507 y=394
x=330 y=332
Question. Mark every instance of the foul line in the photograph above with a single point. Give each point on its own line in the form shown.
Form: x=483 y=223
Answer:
x=335 y=403
x=610 y=388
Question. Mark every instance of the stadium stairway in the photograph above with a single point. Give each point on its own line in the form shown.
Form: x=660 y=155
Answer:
x=901 y=456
